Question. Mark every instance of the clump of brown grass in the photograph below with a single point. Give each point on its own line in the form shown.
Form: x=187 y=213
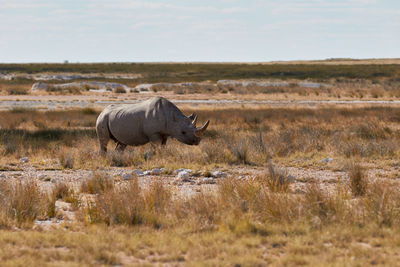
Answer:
x=277 y=180
x=358 y=181
x=66 y=159
x=22 y=202
x=97 y=183
x=240 y=150
x=120 y=90
x=131 y=205
x=382 y=203
x=66 y=193
x=17 y=91
x=122 y=159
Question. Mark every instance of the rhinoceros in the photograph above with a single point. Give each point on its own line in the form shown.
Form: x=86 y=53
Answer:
x=153 y=120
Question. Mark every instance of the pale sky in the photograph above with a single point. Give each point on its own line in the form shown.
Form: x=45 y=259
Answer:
x=206 y=30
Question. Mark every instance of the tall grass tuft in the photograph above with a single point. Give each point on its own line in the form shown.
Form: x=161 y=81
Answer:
x=358 y=181
x=382 y=203
x=66 y=159
x=277 y=180
x=99 y=182
x=22 y=202
x=130 y=204
x=240 y=150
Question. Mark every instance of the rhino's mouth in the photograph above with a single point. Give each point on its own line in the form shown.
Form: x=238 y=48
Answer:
x=194 y=142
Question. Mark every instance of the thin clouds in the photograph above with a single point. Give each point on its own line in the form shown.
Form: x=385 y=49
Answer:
x=219 y=30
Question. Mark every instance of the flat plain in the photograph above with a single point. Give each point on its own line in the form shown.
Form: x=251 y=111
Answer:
x=299 y=166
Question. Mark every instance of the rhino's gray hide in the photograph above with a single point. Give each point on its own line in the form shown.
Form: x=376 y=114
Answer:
x=150 y=121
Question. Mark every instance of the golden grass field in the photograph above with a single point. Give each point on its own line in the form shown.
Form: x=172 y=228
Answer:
x=305 y=185
x=263 y=219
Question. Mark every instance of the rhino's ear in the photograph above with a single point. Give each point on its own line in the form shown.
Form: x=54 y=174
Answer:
x=191 y=117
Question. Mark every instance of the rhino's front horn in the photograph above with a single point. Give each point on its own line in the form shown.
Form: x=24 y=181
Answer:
x=199 y=132
x=194 y=121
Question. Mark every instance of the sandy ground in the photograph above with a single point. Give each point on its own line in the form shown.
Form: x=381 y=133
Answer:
x=196 y=182
x=99 y=101
x=48 y=178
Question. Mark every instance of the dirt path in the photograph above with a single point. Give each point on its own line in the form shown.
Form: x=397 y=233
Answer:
x=52 y=102
x=194 y=183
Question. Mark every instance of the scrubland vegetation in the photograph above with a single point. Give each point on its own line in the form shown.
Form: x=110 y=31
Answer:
x=244 y=222
x=256 y=221
x=353 y=81
x=264 y=216
x=291 y=136
x=178 y=72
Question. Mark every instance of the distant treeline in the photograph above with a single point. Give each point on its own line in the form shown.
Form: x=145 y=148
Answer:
x=175 y=72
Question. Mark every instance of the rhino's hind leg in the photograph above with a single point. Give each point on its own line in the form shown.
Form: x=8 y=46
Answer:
x=102 y=134
x=120 y=147
x=103 y=145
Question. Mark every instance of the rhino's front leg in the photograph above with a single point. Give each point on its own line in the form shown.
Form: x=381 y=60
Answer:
x=155 y=139
x=164 y=140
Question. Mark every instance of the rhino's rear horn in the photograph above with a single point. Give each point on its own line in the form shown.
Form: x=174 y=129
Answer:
x=194 y=121
x=199 y=132
x=193 y=116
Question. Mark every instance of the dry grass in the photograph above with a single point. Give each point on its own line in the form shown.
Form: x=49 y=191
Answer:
x=286 y=135
x=22 y=202
x=136 y=224
x=358 y=182
x=98 y=182
x=244 y=221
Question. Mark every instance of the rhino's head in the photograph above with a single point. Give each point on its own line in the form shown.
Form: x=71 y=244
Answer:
x=186 y=130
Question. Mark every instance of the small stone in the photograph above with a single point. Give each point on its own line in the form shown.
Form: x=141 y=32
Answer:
x=44 y=177
x=183 y=176
x=138 y=172
x=208 y=180
x=217 y=174
x=183 y=169
x=290 y=178
x=3 y=175
x=24 y=160
x=326 y=160
x=127 y=176
x=147 y=173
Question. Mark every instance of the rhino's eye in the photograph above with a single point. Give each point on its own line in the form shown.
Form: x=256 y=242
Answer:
x=183 y=132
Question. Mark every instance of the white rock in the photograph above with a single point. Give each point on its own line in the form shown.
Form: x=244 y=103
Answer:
x=183 y=176
x=208 y=180
x=24 y=160
x=144 y=87
x=326 y=160
x=127 y=176
x=138 y=172
x=217 y=174
x=183 y=169
x=39 y=86
x=2 y=175
x=147 y=173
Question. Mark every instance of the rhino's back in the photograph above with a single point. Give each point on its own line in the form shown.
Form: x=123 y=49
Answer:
x=133 y=124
